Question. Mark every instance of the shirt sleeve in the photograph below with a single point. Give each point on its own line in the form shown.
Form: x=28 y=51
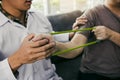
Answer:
x=62 y=37
x=5 y=71
x=91 y=17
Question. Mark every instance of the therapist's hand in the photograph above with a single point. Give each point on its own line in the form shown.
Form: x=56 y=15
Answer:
x=33 y=48
x=80 y=21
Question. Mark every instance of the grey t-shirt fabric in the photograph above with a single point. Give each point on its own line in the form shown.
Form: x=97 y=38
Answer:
x=104 y=57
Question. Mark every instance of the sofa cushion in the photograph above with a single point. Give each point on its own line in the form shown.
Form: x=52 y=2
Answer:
x=66 y=68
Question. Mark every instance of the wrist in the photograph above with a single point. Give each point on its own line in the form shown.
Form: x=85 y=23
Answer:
x=14 y=63
x=111 y=35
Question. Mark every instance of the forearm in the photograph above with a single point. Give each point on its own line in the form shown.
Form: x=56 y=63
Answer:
x=71 y=54
x=76 y=41
x=115 y=37
x=14 y=63
x=103 y=33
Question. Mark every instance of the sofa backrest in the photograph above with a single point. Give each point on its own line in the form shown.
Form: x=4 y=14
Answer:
x=64 y=21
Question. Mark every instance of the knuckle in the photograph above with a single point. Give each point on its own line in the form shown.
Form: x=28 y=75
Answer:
x=43 y=48
x=38 y=43
x=50 y=45
x=43 y=54
x=30 y=57
x=28 y=51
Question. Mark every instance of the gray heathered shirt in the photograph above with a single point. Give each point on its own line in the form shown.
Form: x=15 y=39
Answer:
x=104 y=57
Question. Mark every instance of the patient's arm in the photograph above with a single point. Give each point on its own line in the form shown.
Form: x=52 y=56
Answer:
x=77 y=40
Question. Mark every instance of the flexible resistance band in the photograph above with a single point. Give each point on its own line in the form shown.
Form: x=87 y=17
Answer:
x=68 y=31
x=71 y=49
x=81 y=46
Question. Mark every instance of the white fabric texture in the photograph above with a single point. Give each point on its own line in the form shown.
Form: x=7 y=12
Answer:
x=11 y=36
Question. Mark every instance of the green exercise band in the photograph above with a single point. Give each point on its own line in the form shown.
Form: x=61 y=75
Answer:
x=81 y=46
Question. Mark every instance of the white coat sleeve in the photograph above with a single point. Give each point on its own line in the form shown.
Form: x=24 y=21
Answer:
x=62 y=37
x=5 y=71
